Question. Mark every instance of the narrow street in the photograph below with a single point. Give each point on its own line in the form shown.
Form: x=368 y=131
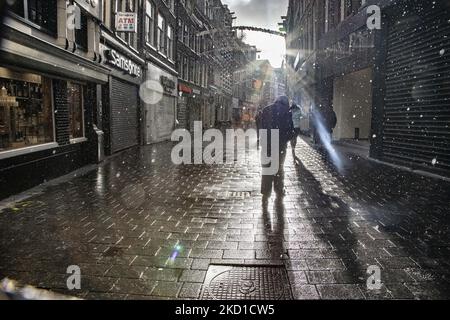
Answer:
x=140 y=227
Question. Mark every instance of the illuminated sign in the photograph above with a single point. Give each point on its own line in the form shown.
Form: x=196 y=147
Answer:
x=126 y=22
x=122 y=63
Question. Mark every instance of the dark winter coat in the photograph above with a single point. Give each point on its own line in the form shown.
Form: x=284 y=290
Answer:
x=325 y=116
x=278 y=116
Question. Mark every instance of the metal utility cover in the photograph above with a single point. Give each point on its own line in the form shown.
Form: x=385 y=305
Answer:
x=246 y=283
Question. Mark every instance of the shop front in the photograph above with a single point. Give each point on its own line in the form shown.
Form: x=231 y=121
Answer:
x=190 y=104
x=121 y=100
x=160 y=96
x=47 y=106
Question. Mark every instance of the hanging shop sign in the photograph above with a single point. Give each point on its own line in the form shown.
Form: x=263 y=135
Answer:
x=126 y=22
x=168 y=84
x=123 y=63
x=184 y=88
x=94 y=7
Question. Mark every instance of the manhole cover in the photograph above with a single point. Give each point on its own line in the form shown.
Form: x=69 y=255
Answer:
x=246 y=283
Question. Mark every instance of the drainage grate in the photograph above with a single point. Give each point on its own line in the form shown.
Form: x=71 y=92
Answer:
x=246 y=283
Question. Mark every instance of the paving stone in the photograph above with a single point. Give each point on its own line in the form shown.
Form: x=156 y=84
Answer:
x=320 y=277
x=162 y=274
x=239 y=254
x=134 y=286
x=206 y=254
x=305 y=292
x=340 y=292
x=193 y=276
x=200 y=264
x=190 y=290
x=166 y=289
x=222 y=245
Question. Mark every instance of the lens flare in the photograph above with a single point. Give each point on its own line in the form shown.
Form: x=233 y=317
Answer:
x=325 y=138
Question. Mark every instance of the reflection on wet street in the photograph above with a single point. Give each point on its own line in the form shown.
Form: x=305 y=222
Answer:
x=140 y=227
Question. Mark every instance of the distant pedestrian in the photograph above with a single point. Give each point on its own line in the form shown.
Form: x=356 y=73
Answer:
x=277 y=116
x=324 y=121
x=331 y=121
x=297 y=116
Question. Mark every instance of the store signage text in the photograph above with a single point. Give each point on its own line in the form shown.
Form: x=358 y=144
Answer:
x=123 y=63
x=126 y=22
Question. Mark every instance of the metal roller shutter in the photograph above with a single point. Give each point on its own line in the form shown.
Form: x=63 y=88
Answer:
x=416 y=129
x=124 y=115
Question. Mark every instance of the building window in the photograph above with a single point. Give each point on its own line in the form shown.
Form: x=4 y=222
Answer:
x=186 y=35
x=185 y=68
x=81 y=35
x=191 y=71
x=180 y=31
x=170 y=42
x=150 y=23
x=75 y=102
x=42 y=13
x=161 y=34
x=26 y=110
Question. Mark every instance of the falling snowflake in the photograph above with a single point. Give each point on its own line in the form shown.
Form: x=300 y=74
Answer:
x=442 y=52
x=434 y=161
x=118 y=175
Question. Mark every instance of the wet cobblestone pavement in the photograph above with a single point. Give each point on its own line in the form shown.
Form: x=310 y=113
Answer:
x=142 y=228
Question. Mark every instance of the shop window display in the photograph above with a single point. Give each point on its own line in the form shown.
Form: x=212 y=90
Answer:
x=26 y=112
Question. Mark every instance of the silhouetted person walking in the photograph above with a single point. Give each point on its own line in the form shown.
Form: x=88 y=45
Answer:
x=277 y=116
x=297 y=116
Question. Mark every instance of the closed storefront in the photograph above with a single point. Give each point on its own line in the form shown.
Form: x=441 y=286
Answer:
x=124 y=115
x=416 y=113
x=159 y=93
x=165 y=117
x=121 y=102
